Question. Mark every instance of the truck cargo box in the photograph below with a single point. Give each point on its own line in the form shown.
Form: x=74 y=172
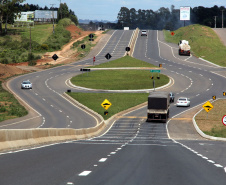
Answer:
x=158 y=100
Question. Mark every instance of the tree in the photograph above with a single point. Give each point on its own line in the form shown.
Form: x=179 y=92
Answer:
x=7 y=9
x=63 y=11
x=124 y=17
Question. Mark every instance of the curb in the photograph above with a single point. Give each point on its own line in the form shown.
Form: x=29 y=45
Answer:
x=201 y=133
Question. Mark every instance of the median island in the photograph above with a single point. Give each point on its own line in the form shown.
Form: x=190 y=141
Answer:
x=138 y=78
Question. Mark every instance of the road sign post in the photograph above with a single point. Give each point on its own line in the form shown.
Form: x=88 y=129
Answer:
x=94 y=59
x=207 y=106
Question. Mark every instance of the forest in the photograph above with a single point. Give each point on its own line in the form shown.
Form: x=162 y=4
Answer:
x=169 y=19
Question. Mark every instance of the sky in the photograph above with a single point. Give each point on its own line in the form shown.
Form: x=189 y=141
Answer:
x=109 y=9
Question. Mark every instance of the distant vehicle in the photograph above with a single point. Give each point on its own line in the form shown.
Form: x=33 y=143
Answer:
x=184 y=48
x=183 y=102
x=143 y=33
x=171 y=97
x=158 y=106
x=26 y=85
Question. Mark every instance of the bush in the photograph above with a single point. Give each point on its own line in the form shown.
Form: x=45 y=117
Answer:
x=4 y=61
x=44 y=47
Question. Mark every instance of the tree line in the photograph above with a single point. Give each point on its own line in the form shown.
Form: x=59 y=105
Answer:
x=10 y=8
x=169 y=19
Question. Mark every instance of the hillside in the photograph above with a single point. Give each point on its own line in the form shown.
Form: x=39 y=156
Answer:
x=203 y=40
x=66 y=55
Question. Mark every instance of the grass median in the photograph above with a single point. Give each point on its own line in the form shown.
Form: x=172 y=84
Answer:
x=211 y=123
x=119 y=101
x=117 y=80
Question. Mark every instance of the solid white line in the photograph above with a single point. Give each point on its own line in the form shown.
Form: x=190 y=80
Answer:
x=85 y=173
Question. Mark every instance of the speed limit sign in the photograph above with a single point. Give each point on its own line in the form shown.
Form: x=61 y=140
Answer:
x=224 y=120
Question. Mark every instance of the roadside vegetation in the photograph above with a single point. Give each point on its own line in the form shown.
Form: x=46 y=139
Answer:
x=88 y=46
x=9 y=107
x=116 y=80
x=211 y=123
x=15 y=46
x=203 y=40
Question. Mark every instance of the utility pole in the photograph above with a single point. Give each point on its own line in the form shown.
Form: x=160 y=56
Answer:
x=215 y=21
x=53 y=16
x=222 y=18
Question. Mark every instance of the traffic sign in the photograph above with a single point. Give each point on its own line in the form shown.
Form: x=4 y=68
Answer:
x=83 y=46
x=224 y=93
x=91 y=35
x=207 y=106
x=106 y=104
x=224 y=120
x=172 y=33
x=155 y=71
x=108 y=56
x=214 y=97
x=94 y=59
x=127 y=48
x=55 y=57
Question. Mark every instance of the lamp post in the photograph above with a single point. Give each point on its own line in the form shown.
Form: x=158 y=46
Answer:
x=222 y=18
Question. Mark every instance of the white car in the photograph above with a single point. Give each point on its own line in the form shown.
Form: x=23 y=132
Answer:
x=183 y=101
x=143 y=33
x=26 y=85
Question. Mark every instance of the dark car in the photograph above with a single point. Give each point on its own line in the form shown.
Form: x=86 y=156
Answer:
x=171 y=97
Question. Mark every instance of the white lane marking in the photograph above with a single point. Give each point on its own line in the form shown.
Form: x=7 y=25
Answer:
x=200 y=74
x=225 y=169
x=70 y=183
x=43 y=99
x=113 y=153
x=218 y=165
x=210 y=161
x=102 y=160
x=60 y=110
x=84 y=173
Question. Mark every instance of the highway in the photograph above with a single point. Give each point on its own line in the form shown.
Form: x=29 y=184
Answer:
x=132 y=151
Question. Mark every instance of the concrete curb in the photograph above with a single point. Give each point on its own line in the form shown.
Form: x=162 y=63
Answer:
x=201 y=132
x=128 y=91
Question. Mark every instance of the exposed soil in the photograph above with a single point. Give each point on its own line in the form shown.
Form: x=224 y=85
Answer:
x=66 y=55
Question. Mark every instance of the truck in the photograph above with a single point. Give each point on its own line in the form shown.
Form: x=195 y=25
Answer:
x=184 y=47
x=158 y=106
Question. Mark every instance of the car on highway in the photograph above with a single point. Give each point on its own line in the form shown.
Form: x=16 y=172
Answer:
x=26 y=84
x=183 y=102
x=143 y=33
x=172 y=96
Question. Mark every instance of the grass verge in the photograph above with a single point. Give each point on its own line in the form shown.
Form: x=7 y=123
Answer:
x=119 y=101
x=203 y=40
x=9 y=107
x=212 y=124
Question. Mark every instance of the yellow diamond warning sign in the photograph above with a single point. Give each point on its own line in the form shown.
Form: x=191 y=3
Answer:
x=207 y=106
x=106 y=104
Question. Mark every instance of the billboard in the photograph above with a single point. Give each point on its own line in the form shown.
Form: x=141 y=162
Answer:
x=25 y=17
x=185 y=13
x=45 y=14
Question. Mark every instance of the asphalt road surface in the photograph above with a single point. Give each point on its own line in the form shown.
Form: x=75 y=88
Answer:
x=132 y=151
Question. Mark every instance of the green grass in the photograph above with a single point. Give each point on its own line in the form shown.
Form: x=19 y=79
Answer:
x=203 y=40
x=9 y=106
x=116 y=80
x=39 y=33
x=120 y=101
x=211 y=123
x=125 y=61
x=119 y=79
